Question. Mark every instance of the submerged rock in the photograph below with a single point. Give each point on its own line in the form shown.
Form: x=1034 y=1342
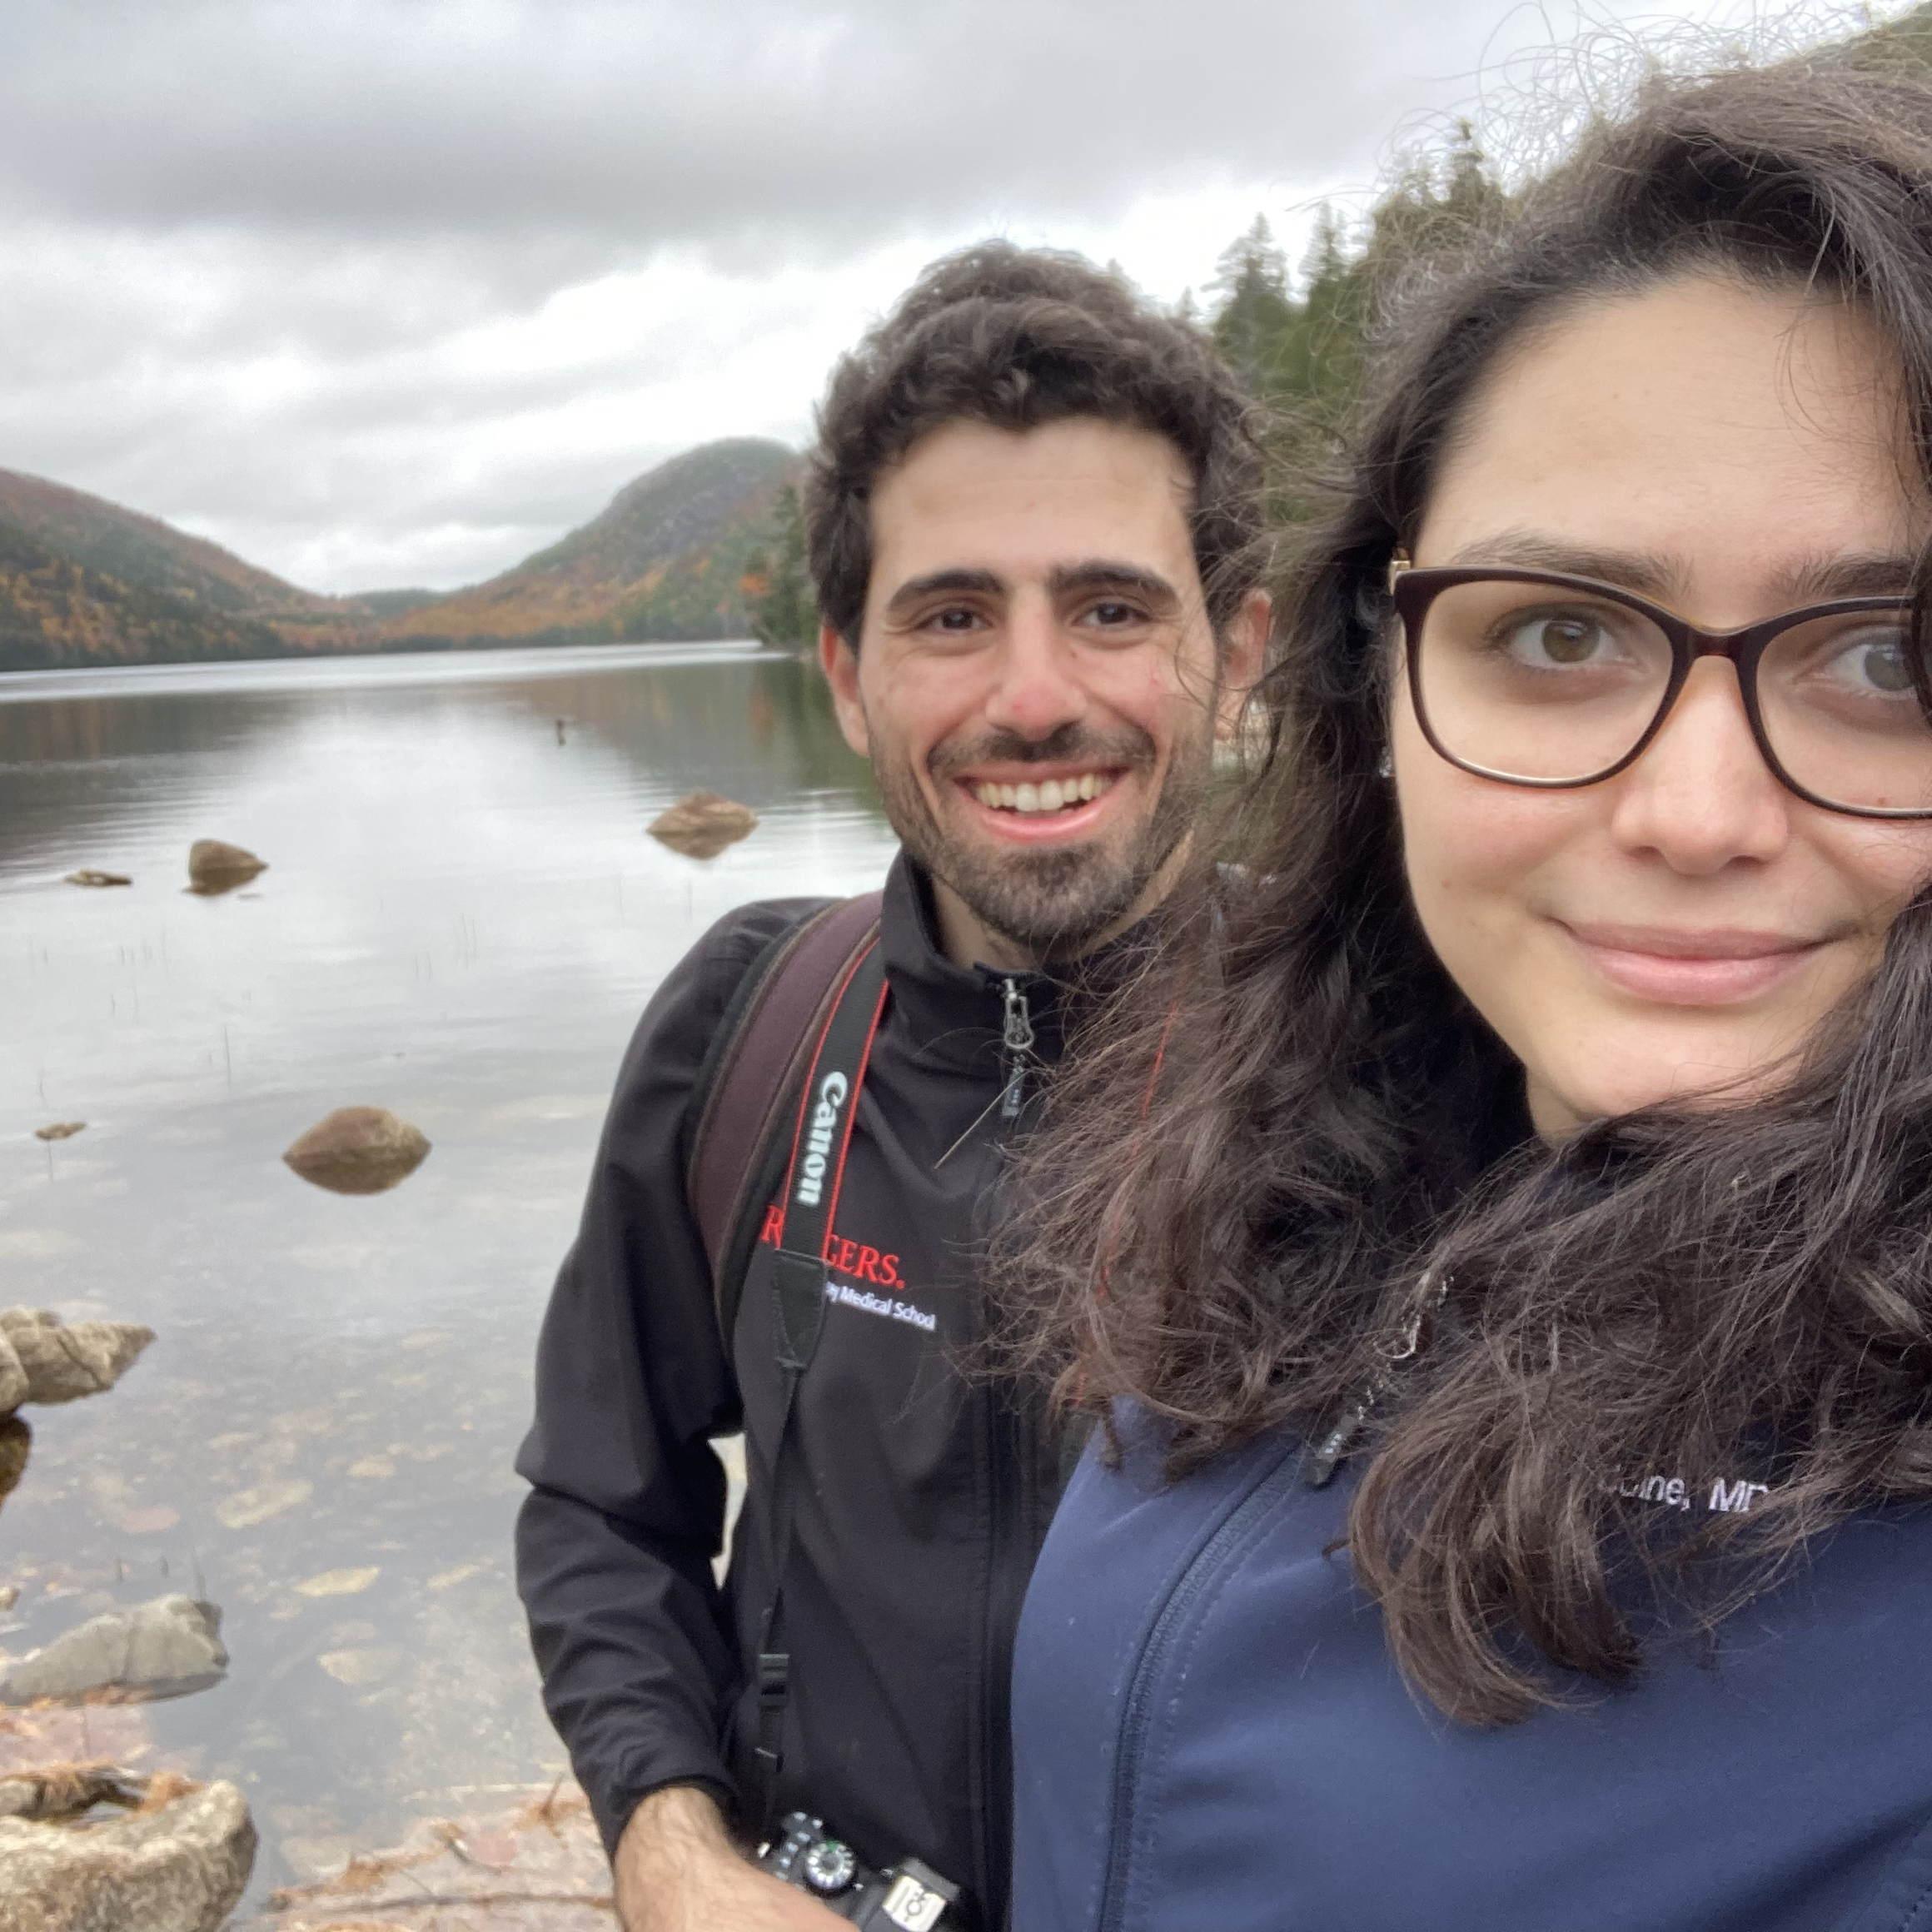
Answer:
x=59 y=1130
x=89 y=876
x=215 y=867
x=702 y=824
x=538 y=1868
x=16 y=1445
x=42 y=1360
x=66 y=1734
x=167 y=1648
x=179 y=1864
x=359 y=1150
x=247 y=1507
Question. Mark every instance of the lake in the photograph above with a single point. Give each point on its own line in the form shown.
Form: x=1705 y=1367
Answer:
x=462 y=919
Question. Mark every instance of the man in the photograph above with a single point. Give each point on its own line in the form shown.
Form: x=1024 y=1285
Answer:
x=1033 y=516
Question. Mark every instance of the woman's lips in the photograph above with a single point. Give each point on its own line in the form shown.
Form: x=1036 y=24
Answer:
x=1680 y=967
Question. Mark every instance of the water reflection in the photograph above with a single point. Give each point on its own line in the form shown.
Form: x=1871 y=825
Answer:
x=460 y=920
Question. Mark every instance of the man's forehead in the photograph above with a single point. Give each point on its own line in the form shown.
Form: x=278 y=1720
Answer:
x=1027 y=505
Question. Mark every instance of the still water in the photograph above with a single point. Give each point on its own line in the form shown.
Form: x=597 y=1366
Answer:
x=461 y=918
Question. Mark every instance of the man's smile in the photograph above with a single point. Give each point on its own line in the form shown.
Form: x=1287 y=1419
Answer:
x=1041 y=794
x=1050 y=805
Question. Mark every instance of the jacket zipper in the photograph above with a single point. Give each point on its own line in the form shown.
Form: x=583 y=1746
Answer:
x=1003 y=1434
x=1016 y=1045
x=1137 y=1714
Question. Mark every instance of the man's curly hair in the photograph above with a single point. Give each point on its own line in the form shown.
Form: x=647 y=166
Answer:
x=1017 y=338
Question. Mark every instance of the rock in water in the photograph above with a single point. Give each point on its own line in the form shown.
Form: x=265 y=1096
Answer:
x=702 y=824
x=16 y=1445
x=89 y=876
x=59 y=1130
x=538 y=1868
x=42 y=1360
x=215 y=868
x=181 y=1865
x=167 y=1648
x=359 y=1150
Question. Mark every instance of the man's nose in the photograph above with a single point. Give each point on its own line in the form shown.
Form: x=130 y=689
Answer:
x=1036 y=688
x=1701 y=795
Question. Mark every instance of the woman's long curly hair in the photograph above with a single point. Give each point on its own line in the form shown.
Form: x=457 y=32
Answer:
x=1294 y=1117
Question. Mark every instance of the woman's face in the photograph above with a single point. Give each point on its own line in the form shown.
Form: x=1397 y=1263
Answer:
x=1682 y=927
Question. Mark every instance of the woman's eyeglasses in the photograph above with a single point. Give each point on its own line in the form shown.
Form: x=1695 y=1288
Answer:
x=1538 y=679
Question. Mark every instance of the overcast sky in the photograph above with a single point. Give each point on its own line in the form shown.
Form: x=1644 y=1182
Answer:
x=384 y=292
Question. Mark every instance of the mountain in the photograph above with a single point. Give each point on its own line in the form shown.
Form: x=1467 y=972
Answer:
x=146 y=554
x=54 y=612
x=84 y=581
x=667 y=560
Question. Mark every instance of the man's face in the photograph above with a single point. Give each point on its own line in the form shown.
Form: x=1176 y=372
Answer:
x=1036 y=683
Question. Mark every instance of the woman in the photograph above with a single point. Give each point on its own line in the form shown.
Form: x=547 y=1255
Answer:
x=1512 y=1297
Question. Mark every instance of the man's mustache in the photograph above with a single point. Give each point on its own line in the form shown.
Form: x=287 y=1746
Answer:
x=1070 y=744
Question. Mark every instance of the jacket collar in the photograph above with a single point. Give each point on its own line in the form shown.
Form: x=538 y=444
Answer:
x=950 y=1014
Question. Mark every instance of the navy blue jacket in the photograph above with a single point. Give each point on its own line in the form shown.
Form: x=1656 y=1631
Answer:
x=1210 y=1736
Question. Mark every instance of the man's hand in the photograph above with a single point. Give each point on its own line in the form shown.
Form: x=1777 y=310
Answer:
x=677 y=1870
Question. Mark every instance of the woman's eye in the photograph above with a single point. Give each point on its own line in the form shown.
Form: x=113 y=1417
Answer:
x=1877 y=662
x=1110 y=615
x=1557 y=641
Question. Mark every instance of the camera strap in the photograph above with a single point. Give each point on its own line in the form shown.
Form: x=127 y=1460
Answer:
x=814 y=1177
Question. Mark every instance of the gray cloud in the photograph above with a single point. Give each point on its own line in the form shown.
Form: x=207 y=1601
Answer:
x=390 y=290
x=784 y=122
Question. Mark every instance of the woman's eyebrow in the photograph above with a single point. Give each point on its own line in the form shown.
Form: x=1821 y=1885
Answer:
x=1818 y=578
x=1650 y=573
x=1874 y=574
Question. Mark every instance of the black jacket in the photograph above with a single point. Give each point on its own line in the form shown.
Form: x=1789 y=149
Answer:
x=920 y=1493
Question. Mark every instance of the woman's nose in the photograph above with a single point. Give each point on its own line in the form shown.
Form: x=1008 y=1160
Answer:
x=1701 y=796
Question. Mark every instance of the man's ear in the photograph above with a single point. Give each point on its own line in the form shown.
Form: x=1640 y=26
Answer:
x=839 y=663
x=1243 y=659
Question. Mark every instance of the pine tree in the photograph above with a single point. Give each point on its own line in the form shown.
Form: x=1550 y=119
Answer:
x=1253 y=311
x=784 y=612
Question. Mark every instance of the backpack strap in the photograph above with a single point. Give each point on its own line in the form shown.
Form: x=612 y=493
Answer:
x=755 y=1063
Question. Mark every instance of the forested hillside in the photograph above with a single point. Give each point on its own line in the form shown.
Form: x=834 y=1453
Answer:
x=56 y=612
x=668 y=560
x=84 y=581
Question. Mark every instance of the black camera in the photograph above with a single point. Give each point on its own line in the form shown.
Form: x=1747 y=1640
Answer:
x=906 y=1897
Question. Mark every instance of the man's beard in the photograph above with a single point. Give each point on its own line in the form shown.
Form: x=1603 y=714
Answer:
x=1053 y=904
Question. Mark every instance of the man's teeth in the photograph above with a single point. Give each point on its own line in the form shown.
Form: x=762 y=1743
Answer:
x=1053 y=794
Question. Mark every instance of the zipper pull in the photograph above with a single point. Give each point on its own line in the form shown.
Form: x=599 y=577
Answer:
x=1017 y=1044
x=1320 y=1460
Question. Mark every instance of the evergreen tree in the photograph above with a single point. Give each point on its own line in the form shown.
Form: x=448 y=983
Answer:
x=784 y=611
x=1302 y=348
x=1253 y=309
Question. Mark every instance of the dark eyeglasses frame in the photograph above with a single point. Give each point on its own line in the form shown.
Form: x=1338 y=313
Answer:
x=1412 y=590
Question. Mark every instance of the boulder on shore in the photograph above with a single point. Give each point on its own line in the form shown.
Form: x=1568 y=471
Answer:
x=180 y=1863
x=88 y=875
x=216 y=867
x=701 y=824
x=42 y=1360
x=358 y=1150
x=59 y=1130
x=167 y=1648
